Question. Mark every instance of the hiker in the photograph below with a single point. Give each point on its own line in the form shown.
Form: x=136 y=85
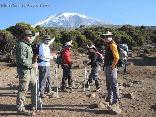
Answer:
x=25 y=70
x=66 y=66
x=111 y=60
x=93 y=56
x=44 y=66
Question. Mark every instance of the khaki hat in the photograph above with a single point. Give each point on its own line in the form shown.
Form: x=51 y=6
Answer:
x=92 y=47
x=47 y=37
x=68 y=44
x=107 y=33
x=27 y=32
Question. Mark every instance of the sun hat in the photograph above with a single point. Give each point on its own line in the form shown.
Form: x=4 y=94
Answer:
x=68 y=44
x=107 y=33
x=47 y=37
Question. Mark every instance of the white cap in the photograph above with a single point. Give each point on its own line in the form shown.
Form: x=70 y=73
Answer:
x=68 y=44
x=91 y=47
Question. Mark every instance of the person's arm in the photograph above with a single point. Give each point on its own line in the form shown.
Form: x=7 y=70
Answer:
x=114 y=50
x=51 y=41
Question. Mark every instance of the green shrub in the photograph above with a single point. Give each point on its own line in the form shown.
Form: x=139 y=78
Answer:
x=76 y=53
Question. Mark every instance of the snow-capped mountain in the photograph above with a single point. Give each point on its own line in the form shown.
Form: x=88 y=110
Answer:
x=68 y=20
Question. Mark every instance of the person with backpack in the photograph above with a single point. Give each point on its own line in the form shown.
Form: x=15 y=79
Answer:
x=44 y=66
x=111 y=60
x=93 y=56
x=66 y=66
x=25 y=69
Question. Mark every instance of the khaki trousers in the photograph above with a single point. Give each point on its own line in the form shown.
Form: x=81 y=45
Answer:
x=26 y=81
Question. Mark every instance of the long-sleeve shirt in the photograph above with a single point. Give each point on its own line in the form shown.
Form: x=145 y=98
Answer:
x=44 y=54
x=66 y=57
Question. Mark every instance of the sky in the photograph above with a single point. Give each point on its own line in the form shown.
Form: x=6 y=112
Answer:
x=117 y=12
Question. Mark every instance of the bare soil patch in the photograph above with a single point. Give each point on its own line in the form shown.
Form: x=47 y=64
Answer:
x=137 y=88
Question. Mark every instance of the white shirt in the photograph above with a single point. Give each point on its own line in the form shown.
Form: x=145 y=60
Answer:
x=44 y=54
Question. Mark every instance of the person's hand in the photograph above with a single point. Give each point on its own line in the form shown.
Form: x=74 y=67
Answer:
x=35 y=65
x=37 y=34
x=70 y=65
x=53 y=38
x=55 y=56
x=111 y=69
x=85 y=64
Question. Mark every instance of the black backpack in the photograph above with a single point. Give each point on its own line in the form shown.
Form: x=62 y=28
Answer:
x=35 y=49
x=100 y=58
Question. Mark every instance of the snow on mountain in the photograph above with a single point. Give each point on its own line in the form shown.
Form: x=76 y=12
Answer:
x=68 y=20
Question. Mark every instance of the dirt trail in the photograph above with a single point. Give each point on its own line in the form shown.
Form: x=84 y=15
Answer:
x=137 y=88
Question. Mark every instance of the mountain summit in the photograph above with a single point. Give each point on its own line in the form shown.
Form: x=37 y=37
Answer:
x=68 y=20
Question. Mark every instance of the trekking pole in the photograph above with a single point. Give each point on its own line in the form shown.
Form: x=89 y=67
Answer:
x=38 y=99
x=85 y=76
x=36 y=88
x=56 y=79
x=88 y=82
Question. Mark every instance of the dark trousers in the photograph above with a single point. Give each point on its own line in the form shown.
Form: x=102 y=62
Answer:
x=66 y=75
x=44 y=79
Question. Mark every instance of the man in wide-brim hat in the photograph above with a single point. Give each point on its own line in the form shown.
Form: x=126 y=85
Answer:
x=111 y=60
x=25 y=70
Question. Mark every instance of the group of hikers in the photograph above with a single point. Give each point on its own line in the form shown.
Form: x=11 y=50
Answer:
x=27 y=79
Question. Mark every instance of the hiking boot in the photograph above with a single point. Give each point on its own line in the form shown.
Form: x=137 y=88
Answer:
x=63 y=89
x=70 y=89
x=43 y=96
x=50 y=93
x=24 y=112
x=87 y=85
x=33 y=107
x=109 y=100
x=114 y=109
x=98 y=89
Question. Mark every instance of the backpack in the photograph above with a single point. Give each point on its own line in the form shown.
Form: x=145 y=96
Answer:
x=100 y=58
x=123 y=51
x=35 y=49
x=123 y=55
x=59 y=59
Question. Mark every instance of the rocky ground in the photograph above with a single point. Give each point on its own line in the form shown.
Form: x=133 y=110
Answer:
x=137 y=89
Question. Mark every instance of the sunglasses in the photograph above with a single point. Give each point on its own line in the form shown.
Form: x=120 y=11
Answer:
x=107 y=36
x=29 y=36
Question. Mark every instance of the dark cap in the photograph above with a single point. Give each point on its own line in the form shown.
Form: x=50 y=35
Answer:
x=27 y=32
x=47 y=37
